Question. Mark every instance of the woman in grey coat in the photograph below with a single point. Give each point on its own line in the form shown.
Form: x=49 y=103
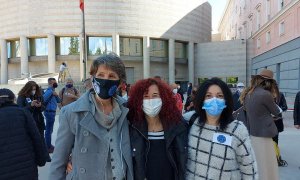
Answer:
x=94 y=129
x=260 y=107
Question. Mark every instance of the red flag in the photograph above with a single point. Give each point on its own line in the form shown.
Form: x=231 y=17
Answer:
x=81 y=4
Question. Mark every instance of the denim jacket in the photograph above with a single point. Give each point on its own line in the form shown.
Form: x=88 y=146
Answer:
x=52 y=104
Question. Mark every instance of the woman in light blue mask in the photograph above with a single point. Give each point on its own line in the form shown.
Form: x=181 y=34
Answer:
x=219 y=147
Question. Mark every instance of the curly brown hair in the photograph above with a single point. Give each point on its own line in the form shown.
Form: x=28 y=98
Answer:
x=26 y=90
x=169 y=114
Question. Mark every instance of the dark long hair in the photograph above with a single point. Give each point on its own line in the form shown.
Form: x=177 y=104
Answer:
x=26 y=90
x=169 y=114
x=6 y=97
x=226 y=116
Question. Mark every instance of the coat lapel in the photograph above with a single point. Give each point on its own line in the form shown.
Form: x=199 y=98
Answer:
x=90 y=124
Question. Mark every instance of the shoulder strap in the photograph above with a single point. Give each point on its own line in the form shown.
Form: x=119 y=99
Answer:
x=192 y=120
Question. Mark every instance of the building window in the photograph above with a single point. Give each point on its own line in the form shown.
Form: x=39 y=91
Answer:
x=257 y=19
x=131 y=46
x=38 y=47
x=268 y=9
x=13 y=49
x=180 y=50
x=280 y=4
x=67 y=45
x=268 y=37
x=158 y=48
x=281 y=28
x=258 y=43
x=99 y=45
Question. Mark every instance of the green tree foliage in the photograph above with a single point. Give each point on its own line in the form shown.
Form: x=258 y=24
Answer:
x=74 y=46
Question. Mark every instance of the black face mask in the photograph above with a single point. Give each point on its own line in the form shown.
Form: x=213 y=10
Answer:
x=54 y=85
x=105 y=88
x=69 y=85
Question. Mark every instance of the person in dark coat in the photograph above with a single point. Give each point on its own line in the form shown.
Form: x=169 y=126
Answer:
x=281 y=102
x=157 y=134
x=181 y=92
x=30 y=97
x=296 y=113
x=236 y=96
x=21 y=146
x=189 y=105
x=189 y=90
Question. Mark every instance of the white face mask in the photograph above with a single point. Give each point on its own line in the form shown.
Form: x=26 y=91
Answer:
x=33 y=92
x=175 y=91
x=152 y=107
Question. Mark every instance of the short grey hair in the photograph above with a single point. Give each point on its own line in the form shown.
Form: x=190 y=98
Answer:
x=113 y=62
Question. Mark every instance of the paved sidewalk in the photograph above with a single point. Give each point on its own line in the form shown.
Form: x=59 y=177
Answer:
x=289 y=143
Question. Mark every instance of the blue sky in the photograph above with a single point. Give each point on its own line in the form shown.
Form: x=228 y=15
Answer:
x=218 y=7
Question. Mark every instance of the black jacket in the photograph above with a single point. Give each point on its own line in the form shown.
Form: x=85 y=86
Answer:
x=282 y=104
x=176 y=145
x=297 y=109
x=36 y=112
x=236 y=102
x=21 y=147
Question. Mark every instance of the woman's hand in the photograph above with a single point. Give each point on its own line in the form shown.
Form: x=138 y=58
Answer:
x=33 y=103
x=69 y=167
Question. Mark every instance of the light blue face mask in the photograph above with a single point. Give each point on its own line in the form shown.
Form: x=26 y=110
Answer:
x=214 y=106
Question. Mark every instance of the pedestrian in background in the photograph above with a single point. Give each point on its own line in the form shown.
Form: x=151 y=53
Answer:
x=21 y=146
x=94 y=129
x=69 y=93
x=189 y=90
x=87 y=83
x=123 y=91
x=157 y=133
x=281 y=102
x=219 y=147
x=177 y=96
x=51 y=100
x=62 y=72
x=30 y=97
x=189 y=104
x=236 y=96
x=296 y=113
x=260 y=106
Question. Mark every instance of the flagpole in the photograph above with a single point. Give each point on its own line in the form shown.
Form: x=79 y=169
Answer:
x=84 y=58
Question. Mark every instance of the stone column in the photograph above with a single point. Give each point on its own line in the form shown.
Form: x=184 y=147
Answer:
x=116 y=44
x=191 y=62
x=51 y=53
x=146 y=56
x=4 y=61
x=171 y=61
x=24 y=57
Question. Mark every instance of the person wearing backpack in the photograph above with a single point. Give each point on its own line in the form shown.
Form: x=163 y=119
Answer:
x=68 y=94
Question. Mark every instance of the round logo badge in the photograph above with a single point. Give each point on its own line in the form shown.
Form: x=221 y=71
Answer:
x=221 y=138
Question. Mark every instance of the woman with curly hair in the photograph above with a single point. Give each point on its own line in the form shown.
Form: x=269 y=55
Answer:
x=158 y=135
x=30 y=97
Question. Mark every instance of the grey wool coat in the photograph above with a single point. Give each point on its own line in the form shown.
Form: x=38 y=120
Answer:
x=80 y=135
